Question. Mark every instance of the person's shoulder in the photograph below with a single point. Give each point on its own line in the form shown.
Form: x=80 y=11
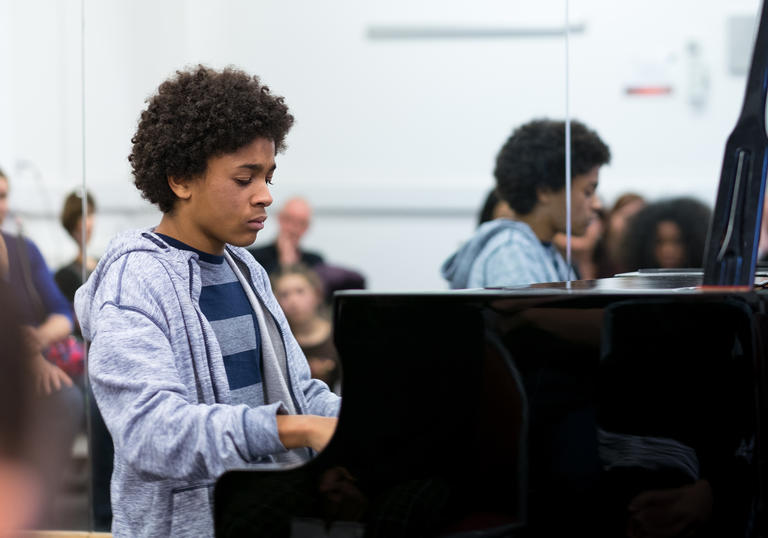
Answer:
x=507 y=234
x=67 y=273
x=139 y=263
x=310 y=258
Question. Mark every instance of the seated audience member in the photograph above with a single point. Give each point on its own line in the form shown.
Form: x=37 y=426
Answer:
x=192 y=362
x=46 y=320
x=494 y=208
x=669 y=234
x=530 y=177
x=337 y=278
x=20 y=485
x=293 y=222
x=299 y=291
x=70 y=276
x=608 y=250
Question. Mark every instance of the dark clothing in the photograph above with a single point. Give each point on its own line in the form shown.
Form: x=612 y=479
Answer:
x=32 y=284
x=270 y=261
x=324 y=350
x=68 y=279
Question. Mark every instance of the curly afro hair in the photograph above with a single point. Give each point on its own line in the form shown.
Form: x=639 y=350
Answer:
x=638 y=247
x=199 y=114
x=533 y=159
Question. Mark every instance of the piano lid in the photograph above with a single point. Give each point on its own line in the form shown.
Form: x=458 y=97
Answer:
x=731 y=252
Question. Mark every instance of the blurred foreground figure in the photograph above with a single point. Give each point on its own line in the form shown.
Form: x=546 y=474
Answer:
x=20 y=484
x=55 y=358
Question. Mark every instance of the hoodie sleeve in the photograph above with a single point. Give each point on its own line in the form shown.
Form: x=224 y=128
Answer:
x=156 y=424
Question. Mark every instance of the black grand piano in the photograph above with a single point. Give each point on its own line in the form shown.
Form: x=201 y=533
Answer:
x=478 y=413
x=542 y=411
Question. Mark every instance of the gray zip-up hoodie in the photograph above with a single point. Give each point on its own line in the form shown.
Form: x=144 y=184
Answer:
x=502 y=253
x=160 y=384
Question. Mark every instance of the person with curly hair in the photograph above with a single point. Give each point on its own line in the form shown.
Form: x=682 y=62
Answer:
x=530 y=178
x=192 y=361
x=669 y=234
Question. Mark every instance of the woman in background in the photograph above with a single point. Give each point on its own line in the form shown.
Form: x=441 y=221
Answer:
x=70 y=277
x=299 y=291
x=669 y=234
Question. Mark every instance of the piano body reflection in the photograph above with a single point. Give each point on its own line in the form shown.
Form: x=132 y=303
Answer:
x=510 y=413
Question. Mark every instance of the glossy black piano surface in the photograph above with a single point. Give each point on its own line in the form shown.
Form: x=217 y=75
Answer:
x=477 y=412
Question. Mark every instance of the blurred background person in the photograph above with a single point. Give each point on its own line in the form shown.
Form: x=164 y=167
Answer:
x=299 y=291
x=45 y=313
x=293 y=222
x=669 y=234
x=494 y=208
x=608 y=250
x=70 y=277
x=584 y=248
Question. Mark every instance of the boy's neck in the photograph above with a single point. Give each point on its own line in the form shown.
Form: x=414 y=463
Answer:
x=540 y=223
x=172 y=226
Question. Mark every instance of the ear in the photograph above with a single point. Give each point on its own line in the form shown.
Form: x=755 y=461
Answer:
x=180 y=187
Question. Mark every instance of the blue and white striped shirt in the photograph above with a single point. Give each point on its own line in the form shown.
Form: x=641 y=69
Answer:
x=226 y=307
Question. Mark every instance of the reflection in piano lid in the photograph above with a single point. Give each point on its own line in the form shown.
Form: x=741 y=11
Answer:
x=481 y=413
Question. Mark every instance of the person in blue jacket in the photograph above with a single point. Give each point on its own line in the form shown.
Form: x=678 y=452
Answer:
x=192 y=361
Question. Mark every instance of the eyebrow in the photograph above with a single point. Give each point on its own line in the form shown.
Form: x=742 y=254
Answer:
x=257 y=167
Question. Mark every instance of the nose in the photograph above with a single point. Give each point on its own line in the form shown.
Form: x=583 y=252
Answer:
x=261 y=195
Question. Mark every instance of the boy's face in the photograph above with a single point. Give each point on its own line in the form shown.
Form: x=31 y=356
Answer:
x=584 y=203
x=228 y=204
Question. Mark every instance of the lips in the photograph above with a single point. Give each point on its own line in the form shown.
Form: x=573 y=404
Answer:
x=257 y=223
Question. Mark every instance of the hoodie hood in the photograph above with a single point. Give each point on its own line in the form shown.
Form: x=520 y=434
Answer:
x=132 y=241
x=456 y=269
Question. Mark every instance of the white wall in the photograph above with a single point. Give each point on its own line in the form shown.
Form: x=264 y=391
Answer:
x=394 y=140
